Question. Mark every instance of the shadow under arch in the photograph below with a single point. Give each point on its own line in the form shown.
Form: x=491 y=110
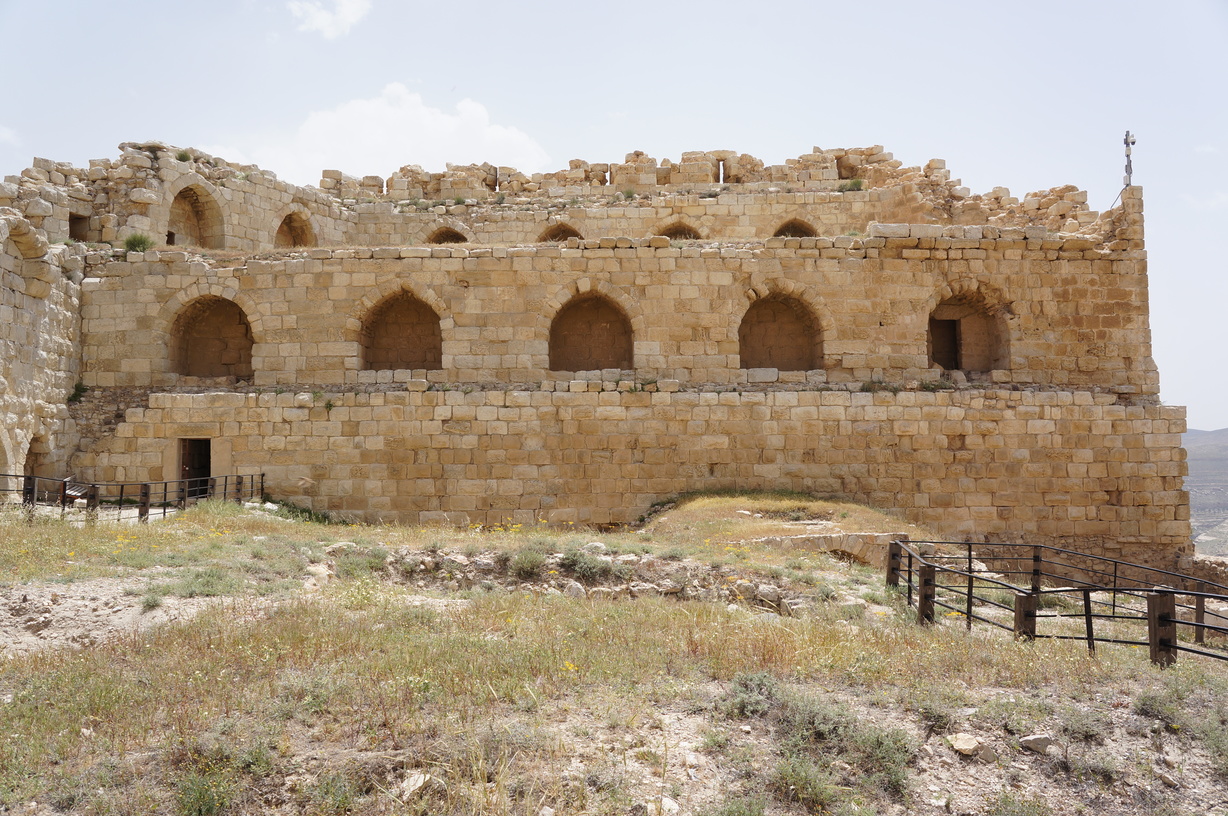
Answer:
x=192 y=213
x=591 y=332
x=401 y=331
x=795 y=228
x=968 y=328
x=211 y=337
x=679 y=230
x=784 y=326
x=558 y=233
x=174 y=307
x=447 y=235
x=295 y=228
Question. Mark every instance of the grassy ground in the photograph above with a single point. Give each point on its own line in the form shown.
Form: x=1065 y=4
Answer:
x=385 y=695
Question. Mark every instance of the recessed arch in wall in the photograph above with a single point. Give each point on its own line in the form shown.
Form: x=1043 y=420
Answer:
x=558 y=233
x=680 y=231
x=36 y=458
x=779 y=331
x=401 y=332
x=968 y=331
x=211 y=337
x=295 y=230
x=795 y=228
x=447 y=235
x=195 y=219
x=591 y=332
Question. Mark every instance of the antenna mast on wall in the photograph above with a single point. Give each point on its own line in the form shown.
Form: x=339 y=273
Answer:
x=1129 y=143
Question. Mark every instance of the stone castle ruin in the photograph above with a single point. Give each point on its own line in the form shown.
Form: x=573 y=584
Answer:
x=483 y=346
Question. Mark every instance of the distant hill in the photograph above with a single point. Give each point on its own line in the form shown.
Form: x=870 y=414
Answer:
x=1208 y=485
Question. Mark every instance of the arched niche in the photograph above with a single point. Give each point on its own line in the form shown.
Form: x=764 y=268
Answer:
x=211 y=337
x=195 y=220
x=795 y=228
x=446 y=235
x=401 y=332
x=295 y=230
x=558 y=233
x=964 y=334
x=779 y=331
x=680 y=231
x=590 y=332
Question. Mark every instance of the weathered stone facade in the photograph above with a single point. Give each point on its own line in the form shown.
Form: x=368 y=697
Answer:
x=575 y=346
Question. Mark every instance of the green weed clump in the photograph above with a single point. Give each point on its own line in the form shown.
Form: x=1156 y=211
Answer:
x=589 y=569
x=527 y=563
x=752 y=695
x=138 y=242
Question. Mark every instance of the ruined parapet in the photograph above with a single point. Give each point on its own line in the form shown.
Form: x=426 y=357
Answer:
x=186 y=197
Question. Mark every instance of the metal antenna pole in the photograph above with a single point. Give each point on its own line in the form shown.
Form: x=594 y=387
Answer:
x=1129 y=143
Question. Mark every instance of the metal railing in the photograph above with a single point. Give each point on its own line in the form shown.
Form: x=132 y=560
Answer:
x=126 y=500
x=1078 y=596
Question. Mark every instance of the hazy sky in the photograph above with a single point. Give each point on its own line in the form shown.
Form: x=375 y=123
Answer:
x=1026 y=95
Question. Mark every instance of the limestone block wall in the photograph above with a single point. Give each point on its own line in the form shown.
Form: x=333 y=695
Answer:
x=1061 y=312
x=1052 y=467
x=156 y=190
x=39 y=337
x=728 y=216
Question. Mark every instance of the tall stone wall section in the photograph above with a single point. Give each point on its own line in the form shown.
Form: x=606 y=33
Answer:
x=1053 y=467
x=1070 y=314
x=39 y=348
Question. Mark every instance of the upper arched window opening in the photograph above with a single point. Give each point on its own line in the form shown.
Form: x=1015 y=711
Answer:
x=195 y=220
x=795 y=228
x=558 y=233
x=446 y=235
x=294 y=231
x=681 y=232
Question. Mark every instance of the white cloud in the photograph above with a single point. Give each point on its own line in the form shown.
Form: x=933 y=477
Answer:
x=315 y=15
x=379 y=135
x=9 y=136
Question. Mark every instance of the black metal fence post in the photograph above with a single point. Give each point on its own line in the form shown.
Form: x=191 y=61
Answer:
x=1087 y=620
x=1200 y=615
x=971 y=588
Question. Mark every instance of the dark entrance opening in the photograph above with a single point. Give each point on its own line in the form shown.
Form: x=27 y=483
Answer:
x=944 y=344
x=79 y=227
x=195 y=467
x=170 y=239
